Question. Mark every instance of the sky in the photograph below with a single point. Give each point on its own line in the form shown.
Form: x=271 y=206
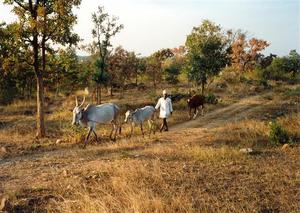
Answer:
x=150 y=25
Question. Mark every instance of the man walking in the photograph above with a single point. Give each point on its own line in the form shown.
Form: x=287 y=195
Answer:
x=165 y=105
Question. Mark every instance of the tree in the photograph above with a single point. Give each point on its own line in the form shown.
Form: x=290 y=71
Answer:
x=105 y=27
x=281 y=66
x=65 y=73
x=172 y=71
x=122 y=66
x=35 y=29
x=245 y=53
x=154 y=65
x=173 y=66
x=141 y=68
x=265 y=61
x=293 y=62
x=206 y=52
x=15 y=73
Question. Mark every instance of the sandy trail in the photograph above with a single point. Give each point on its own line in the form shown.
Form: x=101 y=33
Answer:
x=237 y=111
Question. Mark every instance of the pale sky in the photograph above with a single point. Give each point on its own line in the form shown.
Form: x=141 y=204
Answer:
x=150 y=25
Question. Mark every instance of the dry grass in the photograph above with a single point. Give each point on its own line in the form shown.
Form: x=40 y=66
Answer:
x=187 y=170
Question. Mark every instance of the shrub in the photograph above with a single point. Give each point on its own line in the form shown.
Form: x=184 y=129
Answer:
x=211 y=99
x=263 y=82
x=277 y=135
x=172 y=73
x=229 y=75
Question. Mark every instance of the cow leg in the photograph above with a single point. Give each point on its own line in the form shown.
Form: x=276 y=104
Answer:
x=195 y=112
x=115 y=129
x=87 y=137
x=95 y=136
x=112 y=132
x=131 y=129
x=202 y=110
x=150 y=127
x=153 y=124
x=190 y=112
x=142 y=129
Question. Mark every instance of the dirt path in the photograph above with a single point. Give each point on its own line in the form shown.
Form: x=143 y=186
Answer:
x=237 y=111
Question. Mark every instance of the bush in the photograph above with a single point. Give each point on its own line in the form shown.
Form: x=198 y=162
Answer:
x=211 y=99
x=229 y=75
x=8 y=89
x=172 y=73
x=278 y=135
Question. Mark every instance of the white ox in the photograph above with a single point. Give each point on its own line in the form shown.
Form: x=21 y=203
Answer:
x=139 y=116
x=94 y=114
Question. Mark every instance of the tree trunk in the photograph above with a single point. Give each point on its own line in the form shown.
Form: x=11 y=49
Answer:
x=40 y=90
x=97 y=93
x=40 y=107
x=202 y=88
x=39 y=75
x=100 y=97
x=57 y=88
x=136 y=79
x=111 y=90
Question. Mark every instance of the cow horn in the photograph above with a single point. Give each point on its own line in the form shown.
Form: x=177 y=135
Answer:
x=82 y=102
x=76 y=100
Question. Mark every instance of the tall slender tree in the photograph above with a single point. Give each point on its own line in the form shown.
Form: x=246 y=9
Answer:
x=105 y=27
x=40 y=21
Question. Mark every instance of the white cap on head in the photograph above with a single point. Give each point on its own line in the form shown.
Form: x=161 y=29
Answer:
x=164 y=92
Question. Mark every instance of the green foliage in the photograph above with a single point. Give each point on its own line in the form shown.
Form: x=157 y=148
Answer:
x=277 y=135
x=211 y=99
x=100 y=76
x=16 y=75
x=276 y=71
x=154 y=65
x=105 y=27
x=281 y=67
x=293 y=92
x=293 y=62
x=172 y=73
x=63 y=72
x=8 y=89
x=206 y=52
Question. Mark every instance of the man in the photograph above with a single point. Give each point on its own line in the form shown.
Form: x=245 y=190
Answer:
x=165 y=105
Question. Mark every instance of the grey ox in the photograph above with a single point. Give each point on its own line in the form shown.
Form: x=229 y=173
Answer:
x=139 y=116
x=94 y=114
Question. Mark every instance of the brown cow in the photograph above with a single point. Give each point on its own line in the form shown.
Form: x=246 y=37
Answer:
x=194 y=102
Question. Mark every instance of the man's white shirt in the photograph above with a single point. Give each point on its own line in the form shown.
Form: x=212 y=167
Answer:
x=165 y=106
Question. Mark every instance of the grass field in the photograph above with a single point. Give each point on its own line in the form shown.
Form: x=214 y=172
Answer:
x=197 y=166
